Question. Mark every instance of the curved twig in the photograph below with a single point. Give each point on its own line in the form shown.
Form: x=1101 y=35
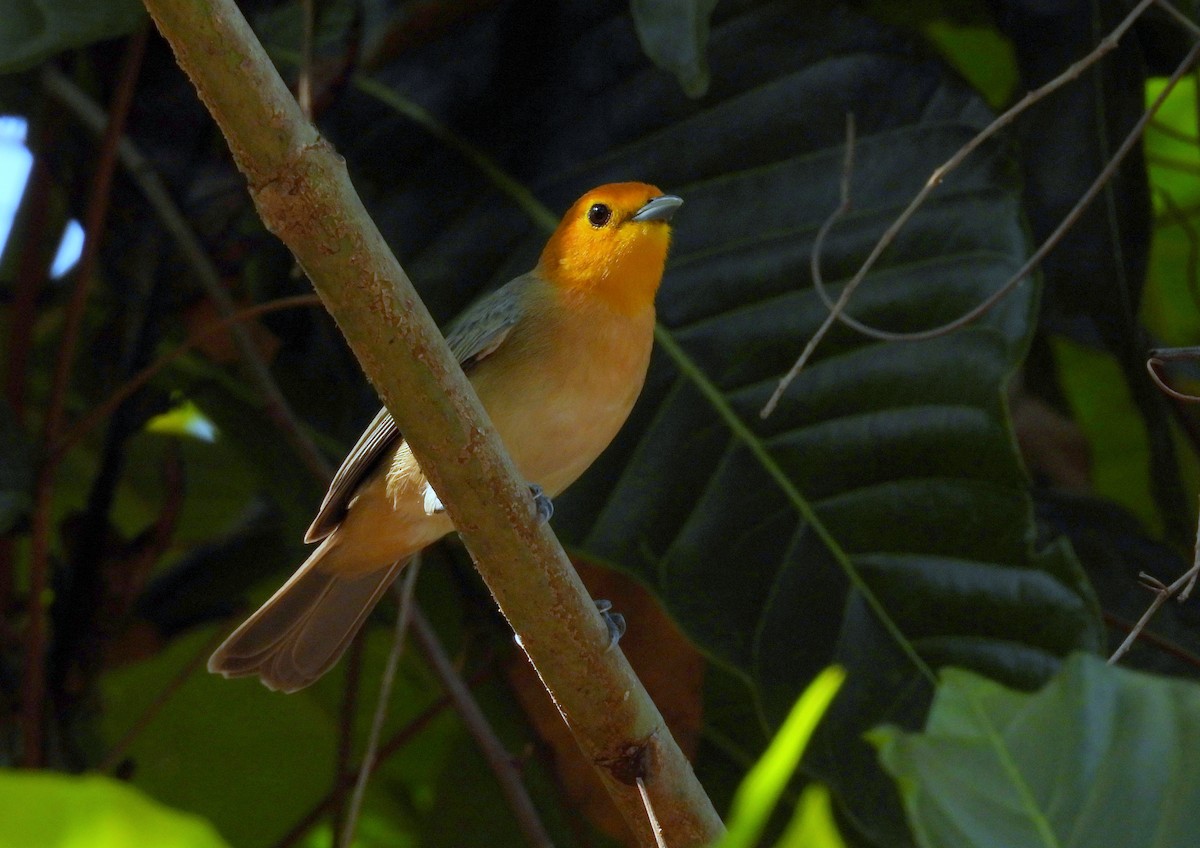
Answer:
x=371 y=752
x=485 y=737
x=33 y=680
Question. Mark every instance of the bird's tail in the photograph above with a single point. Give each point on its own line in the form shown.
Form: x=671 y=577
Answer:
x=303 y=630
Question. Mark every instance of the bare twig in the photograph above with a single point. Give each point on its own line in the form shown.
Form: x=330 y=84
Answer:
x=1149 y=637
x=654 y=826
x=401 y=738
x=34 y=671
x=1105 y=46
x=1180 y=18
x=1182 y=587
x=477 y=725
x=403 y=616
x=835 y=309
x=349 y=709
x=1160 y=357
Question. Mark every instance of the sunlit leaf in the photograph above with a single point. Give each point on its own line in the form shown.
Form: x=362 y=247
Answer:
x=46 y=810
x=763 y=786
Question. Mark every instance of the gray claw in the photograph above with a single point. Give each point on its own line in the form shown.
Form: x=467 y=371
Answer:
x=542 y=503
x=614 y=621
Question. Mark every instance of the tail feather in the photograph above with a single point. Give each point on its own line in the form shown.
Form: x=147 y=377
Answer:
x=303 y=630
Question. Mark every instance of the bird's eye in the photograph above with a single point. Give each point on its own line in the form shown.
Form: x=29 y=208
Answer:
x=599 y=215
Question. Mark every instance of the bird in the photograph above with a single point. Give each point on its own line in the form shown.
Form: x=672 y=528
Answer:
x=558 y=356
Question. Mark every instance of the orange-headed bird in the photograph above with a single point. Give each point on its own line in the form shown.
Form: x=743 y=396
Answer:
x=558 y=357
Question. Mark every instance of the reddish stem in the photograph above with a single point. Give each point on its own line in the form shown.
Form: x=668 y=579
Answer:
x=34 y=673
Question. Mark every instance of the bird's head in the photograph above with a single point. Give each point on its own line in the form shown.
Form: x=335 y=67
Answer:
x=612 y=244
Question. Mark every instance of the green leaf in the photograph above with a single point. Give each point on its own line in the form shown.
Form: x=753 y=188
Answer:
x=37 y=29
x=674 y=34
x=763 y=786
x=46 y=810
x=1100 y=756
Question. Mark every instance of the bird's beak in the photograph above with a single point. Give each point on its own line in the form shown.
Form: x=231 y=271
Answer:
x=658 y=209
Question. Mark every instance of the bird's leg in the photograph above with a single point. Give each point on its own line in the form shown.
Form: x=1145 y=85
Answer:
x=614 y=621
x=541 y=503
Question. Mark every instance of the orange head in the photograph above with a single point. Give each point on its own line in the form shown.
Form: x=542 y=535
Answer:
x=612 y=244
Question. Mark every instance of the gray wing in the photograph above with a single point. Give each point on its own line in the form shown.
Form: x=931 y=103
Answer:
x=472 y=337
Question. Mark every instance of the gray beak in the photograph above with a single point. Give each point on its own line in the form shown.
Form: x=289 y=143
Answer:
x=659 y=209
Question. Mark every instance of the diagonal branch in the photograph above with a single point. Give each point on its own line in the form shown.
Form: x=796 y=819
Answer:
x=304 y=196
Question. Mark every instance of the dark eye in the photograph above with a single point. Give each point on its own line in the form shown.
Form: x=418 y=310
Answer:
x=599 y=215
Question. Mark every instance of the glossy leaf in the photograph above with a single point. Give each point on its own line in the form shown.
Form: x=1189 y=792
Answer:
x=1100 y=756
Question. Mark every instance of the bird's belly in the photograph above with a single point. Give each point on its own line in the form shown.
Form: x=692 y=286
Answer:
x=569 y=410
x=556 y=444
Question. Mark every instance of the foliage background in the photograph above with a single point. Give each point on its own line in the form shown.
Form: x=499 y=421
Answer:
x=983 y=500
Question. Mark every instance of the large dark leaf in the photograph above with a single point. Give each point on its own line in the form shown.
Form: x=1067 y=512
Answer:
x=904 y=452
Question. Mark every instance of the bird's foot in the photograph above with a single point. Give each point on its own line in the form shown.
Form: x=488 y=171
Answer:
x=541 y=503
x=614 y=621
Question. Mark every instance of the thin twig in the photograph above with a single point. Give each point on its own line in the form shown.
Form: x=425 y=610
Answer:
x=659 y=840
x=1050 y=242
x=481 y=731
x=1032 y=262
x=1105 y=46
x=349 y=709
x=1180 y=18
x=115 y=754
x=834 y=309
x=143 y=174
x=401 y=738
x=1160 y=357
x=403 y=617
x=34 y=672
x=1149 y=637
x=103 y=410
x=1182 y=586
